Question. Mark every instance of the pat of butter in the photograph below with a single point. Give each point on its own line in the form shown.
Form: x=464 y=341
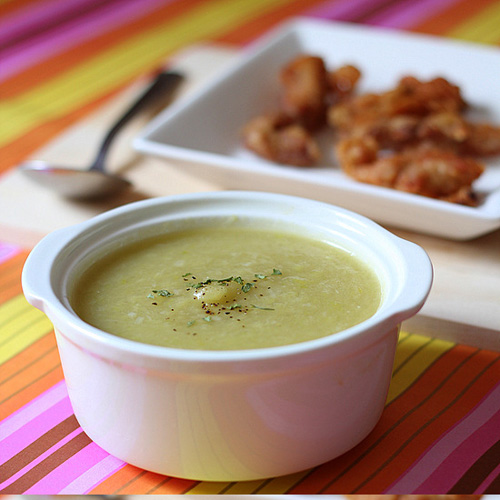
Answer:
x=217 y=293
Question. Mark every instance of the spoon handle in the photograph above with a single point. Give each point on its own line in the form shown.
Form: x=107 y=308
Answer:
x=164 y=84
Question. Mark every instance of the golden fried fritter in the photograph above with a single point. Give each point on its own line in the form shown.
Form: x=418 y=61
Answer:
x=305 y=85
x=277 y=138
x=410 y=97
x=342 y=82
x=423 y=170
x=307 y=91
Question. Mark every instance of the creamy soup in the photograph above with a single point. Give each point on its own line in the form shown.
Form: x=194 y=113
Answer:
x=223 y=288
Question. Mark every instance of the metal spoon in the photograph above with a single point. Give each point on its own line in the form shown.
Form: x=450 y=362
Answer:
x=95 y=182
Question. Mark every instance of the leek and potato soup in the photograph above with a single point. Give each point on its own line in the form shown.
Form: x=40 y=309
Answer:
x=226 y=288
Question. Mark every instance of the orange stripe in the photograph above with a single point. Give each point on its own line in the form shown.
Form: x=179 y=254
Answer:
x=149 y=481
x=49 y=69
x=29 y=355
x=44 y=382
x=173 y=486
x=141 y=483
x=449 y=18
x=381 y=447
x=10 y=272
x=256 y=27
x=112 y=484
x=45 y=362
x=131 y=480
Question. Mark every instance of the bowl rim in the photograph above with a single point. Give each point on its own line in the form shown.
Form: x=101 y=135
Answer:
x=39 y=290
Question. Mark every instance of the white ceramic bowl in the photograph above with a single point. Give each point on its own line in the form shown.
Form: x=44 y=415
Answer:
x=228 y=415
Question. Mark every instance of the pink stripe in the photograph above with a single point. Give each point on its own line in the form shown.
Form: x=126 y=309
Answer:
x=410 y=14
x=71 y=34
x=94 y=476
x=456 y=438
x=32 y=16
x=455 y=466
x=345 y=10
x=33 y=409
x=35 y=428
x=40 y=458
x=57 y=480
x=8 y=251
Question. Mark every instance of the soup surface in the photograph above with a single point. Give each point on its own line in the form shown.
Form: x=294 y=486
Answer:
x=223 y=288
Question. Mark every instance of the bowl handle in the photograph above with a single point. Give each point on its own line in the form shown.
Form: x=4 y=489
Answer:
x=36 y=275
x=418 y=282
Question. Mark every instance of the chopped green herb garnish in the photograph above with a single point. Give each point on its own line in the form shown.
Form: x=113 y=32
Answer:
x=150 y=296
x=191 y=323
x=207 y=318
x=263 y=308
x=239 y=280
x=236 y=306
x=210 y=280
x=246 y=287
x=163 y=293
x=260 y=276
x=197 y=285
x=187 y=274
x=276 y=272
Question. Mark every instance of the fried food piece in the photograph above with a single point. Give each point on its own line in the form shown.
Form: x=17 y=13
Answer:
x=448 y=130
x=445 y=127
x=342 y=82
x=411 y=97
x=308 y=90
x=425 y=170
x=421 y=123
x=435 y=95
x=437 y=173
x=453 y=131
x=277 y=138
x=305 y=86
x=482 y=140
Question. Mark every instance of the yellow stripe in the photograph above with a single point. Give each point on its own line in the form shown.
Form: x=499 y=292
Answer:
x=403 y=352
x=280 y=485
x=20 y=325
x=108 y=70
x=208 y=488
x=484 y=27
x=10 y=309
x=243 y=487
x=413 y=357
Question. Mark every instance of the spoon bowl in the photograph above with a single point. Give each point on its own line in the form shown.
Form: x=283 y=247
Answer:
x=94 y=182
x=74 y=183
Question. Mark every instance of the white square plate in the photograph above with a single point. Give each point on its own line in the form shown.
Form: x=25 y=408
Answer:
x=202 y=132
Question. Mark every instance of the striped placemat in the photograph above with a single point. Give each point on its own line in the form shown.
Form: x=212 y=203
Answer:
x=439 y=431
x=62 y=60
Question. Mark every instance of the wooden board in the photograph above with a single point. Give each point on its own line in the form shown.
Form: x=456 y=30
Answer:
x=464 y=304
